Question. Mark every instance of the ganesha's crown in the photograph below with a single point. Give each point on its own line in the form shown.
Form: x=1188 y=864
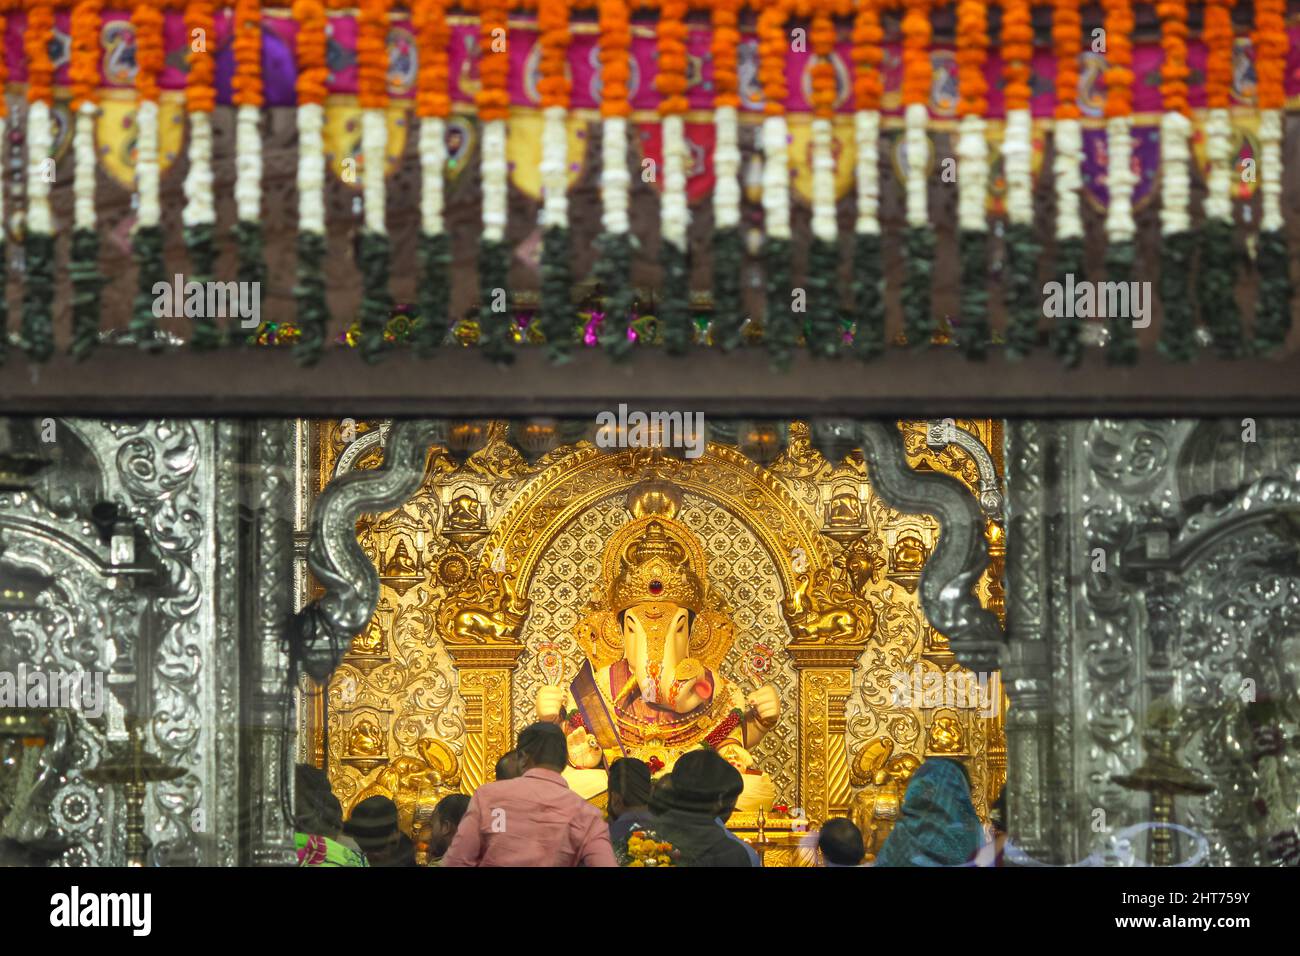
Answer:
x=655 y=567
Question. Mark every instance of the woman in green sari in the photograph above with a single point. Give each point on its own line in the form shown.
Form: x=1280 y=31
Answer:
x=937 y=825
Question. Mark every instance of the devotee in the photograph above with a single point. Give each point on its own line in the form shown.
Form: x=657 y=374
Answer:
x=696 y=805
x=629 y=798
x=841 y=843
x=991 y=853
x=508 y=765
x=374 y=826
x=534 y=819
x=937 y=824
x=442 y=828
x=318 y=822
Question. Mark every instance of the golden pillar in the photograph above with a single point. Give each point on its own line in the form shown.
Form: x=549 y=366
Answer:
x=486 y=685
x=825 y=682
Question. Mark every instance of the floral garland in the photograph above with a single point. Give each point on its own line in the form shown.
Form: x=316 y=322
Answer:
x=555 y=315
x=309 y=291
x=147 y=240
x=973 y=173
x=493 y=101
x=727 y=245
x=4 y=141
x=1120 y=226
x=1217 y=272
x=1177 y=242
x=1272 y=44
x=247 y=86
x=199 y=216
x=1067 y=171
x=83 y=259
x=918 y=318
x=868 y=271
x=372 y=94
x=1022 y=294
x=824 y=333
x=675 y=216
x=780 y=331
x=37 y=333
x=613 y=269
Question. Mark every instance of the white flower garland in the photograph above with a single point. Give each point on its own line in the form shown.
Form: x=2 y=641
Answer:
x=83 y=169
x=615 y=180
x=1218 y=150
x=1175 y=173
x=200 y=208
x=972 y=174
x=311 y=168
x=675 y=214
x=494 y=180
x=248 y=164
x=374 y=146
x=1017 y=155
x=39 y=140
x=1067 y=172
x=555 y=168
x=776 y=178
x=726 y=168
x=433 y=160
x=147 y=172
x=866 y=132
x=1270 y=169
x=1120 y=226
x=823 y=181
x=915 y=121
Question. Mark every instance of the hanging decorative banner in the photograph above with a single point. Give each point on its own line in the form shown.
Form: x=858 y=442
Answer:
x=801 y=157
x=342 y=135
x=116 y=134
x=1145 y=164
x=1245 y=151
x=700 y=140
x=996 y=204
x=524 y=151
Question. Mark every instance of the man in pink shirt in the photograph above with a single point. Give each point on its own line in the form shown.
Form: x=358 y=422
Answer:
x=534 y=819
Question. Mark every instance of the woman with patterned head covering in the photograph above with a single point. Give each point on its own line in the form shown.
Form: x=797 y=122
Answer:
x=937 y=825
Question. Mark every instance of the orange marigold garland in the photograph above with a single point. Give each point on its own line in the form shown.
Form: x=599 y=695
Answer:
x=313 y=74
x=868 y=272
x=1177 y=243
x=1220 y=255
x=670 y=81
x=1021 y=294
x=614 y=262
x=1120 y=226
x=37 y=331
x=433 y=106
x=147 y=19
x=1067 y=169
x=1272 y=44
x=972 y=172
x=824 y=332
x=372 y=93
x=918 y=320
x=780 y=330
x=727 y=249
x=493 y=100
x=83 y=260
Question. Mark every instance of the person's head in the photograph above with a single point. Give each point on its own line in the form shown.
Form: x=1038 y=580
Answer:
x=542 y=745
x=373 y=825
x=661 y=794
x=841 y=842
x=998 y=813
x=704 y=783
x=316 y=810
x=937 y=824
x=629 y=786
x=508 y=766
x=446 y=819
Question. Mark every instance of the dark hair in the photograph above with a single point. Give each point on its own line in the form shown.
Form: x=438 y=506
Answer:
x=704 y=783
x=661 y=794
x=998 y=812
x=451 y=809
x=373 y=822
x=841 y=842
x=544 y=744
x=316 y=809
x=507 y=767
x=630 y=779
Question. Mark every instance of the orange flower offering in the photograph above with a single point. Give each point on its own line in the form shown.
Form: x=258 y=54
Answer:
x=917 y=75
x=1067 y=42
x=723 y=47
x=247 y=82
x=1173 y=68
x=36 y=44
x=493 y=97
x=868 y=54
x=1271 y=47
x=83 y=65
x=670 y=34
x=553 y=29
x=1017 y=52
x=972 y=49
x=372 y=54
x=1218 y=36
x=772 y=45
x=823 y=71
x=311 y=41
x=1119 y=57
x=615 y=45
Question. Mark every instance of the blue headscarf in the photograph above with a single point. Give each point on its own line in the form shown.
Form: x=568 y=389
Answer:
x=937 y=825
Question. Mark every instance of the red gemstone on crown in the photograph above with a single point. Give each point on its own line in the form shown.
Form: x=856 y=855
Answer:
x=656 y=587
